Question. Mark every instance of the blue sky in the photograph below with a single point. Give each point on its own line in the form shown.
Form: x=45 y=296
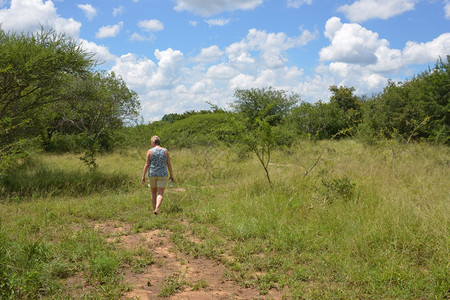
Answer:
x=180 y=54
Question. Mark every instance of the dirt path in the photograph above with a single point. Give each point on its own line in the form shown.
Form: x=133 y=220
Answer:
x=188 y=277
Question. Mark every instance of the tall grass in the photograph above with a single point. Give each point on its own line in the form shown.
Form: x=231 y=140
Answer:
x=365 y=222
x=58 y=175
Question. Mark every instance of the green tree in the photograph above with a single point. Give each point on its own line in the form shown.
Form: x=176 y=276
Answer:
x=95 y=106
x=258 y=111
x=350 y=105
x=324 y=120
x=265 y=104
x=34 y=69
x=415 y=109
x=319 y=120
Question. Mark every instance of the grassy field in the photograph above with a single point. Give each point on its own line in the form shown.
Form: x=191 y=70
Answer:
x=367 y=222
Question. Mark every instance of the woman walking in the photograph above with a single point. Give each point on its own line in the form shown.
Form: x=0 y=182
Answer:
x=156 y=164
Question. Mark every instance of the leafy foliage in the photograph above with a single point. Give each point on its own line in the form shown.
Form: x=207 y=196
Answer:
x=47 y=87
x=415 y=109
x=95 y=106
x=326 y=120
x=258 y=111
x=34 y=69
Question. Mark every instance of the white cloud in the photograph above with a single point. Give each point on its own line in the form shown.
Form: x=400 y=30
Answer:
x=145 y=76
x=169 y=68
x=298 y=3
x=193 y=23
x=174 y=84
x=305 y=37
x=364 y=10
x=271 y=47
x=89 y=11
x=29 y=15
x=118 y=11
x=359 y=58
x=137 y=37
x=209 y=55
x=136 y=72
x=421 y=53
x=447 y=9
x=217 y=22
x=350 y=43
x=221 y=72
x=101 y=53
x=151 y=25
x=210 y=7
x=202 y=86
x=242 y=81
x=353 y=44
x=109 y=31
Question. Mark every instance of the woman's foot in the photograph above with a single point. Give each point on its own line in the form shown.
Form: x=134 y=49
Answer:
x=155 y=212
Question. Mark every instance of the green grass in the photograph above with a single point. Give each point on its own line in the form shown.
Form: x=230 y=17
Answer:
x=366 y=222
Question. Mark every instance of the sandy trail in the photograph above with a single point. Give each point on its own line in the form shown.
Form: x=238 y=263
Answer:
x=197 y=278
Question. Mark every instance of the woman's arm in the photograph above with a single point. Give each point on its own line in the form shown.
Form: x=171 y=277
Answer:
x=146 y=166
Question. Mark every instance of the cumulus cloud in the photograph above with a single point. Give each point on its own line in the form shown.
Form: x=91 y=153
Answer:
x=271 y=47
x=118 y=11
x=135 y=71
x=358 y=57
x=169 y=68
x=209 y=55
x=109 y=31
x=171 y=83
x=364 y=10
x=221 y=72
x=217 y=22
x=354 y=44
x=89 y=11
x=151 y=25
x=101 y=53
x=212 y=7
x=421 y=53
x=350 y=43
x=29 y=15
x=202 y=86
x=298 y=3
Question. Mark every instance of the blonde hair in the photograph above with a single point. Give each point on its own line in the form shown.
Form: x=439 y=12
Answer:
x=155 y=139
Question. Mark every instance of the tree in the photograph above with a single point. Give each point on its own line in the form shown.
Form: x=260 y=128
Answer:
x=417 y=108
x=319 y=120
x=329 y=119
x=259 y=110
x=350 y=105
x=95 y=106
x=264 y=104
x=34 y=69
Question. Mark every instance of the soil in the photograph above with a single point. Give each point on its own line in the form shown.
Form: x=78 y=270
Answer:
x=200 y=278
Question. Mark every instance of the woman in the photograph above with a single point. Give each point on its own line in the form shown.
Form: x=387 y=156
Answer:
x=157 y=163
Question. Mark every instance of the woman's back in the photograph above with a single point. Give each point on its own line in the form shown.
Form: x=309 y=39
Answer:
x=158 y=162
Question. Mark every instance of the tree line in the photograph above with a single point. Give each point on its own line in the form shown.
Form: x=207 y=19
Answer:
x=416 y=109
x=54 y=98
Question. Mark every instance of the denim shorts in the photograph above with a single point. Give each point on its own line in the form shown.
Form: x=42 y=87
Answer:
x=157 y=182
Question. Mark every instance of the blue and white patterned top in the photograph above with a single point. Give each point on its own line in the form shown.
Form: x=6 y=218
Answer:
x=158 y=163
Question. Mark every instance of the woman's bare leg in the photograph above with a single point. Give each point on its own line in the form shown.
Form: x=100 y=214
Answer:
x=154 y=196
x=159 y=199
